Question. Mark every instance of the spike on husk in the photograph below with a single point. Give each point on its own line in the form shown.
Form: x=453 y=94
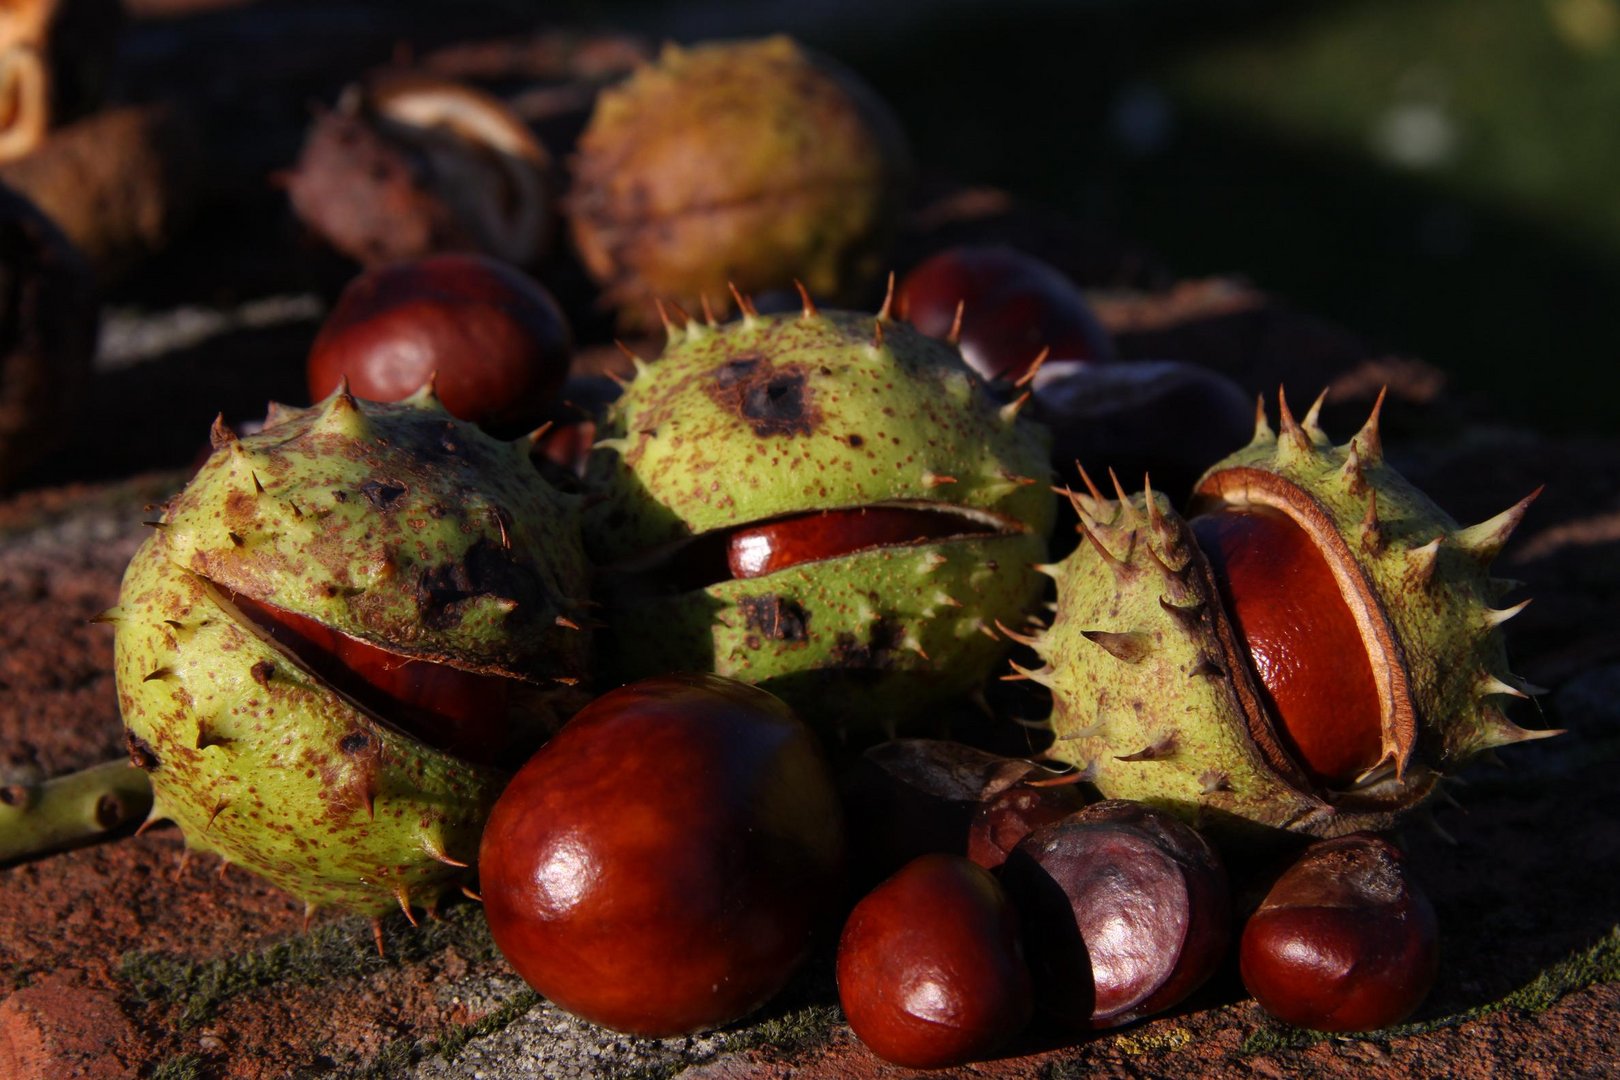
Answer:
x=347 y=514
x=774 y=416
x=1416 y=585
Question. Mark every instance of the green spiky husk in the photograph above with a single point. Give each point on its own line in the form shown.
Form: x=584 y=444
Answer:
x=860 y=639
x=391 y=523
x=260 y=762
x=877 y=415
x=1154 y=695
x=396 y=524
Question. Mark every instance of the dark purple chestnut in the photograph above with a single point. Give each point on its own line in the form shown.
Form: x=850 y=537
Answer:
x=931 y=970
x=1014 y=305
x=661 y=865
x=1141 y=417
x=1125 y=909
x=493 y=339
x=1344 y=941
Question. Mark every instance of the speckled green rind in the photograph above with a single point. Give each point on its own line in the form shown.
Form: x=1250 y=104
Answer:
x=399 y=525
x=853 y=641
x=777 y=415
x=1154 y=696
x=260 y=763
x=772 y=415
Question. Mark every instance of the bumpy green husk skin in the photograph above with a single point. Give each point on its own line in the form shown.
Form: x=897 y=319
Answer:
x=396 y=524
x=770 y=416
x=1154 y=696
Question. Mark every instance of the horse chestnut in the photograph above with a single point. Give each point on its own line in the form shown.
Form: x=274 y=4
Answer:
x=660 y=866
x=1303 y=639
x=1013 y=306
x=1344 y=941
x=491 y=337
x=1125 y=911
x=931 y=971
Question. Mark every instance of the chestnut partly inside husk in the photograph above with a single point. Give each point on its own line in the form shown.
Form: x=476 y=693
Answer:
x=1160 y=696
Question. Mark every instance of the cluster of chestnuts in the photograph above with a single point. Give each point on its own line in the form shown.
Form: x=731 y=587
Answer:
x=704 y=605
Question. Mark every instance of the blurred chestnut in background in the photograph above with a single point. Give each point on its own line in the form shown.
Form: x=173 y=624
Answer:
x=1013 y=306
x=931 y=971
x=48 y=323
x=494 y=339
x=1157 y=418
x=1126 y=911
x=661 y=865
x=123 y=183
x=56 y=58
x=410 y=164
x=1344 y=941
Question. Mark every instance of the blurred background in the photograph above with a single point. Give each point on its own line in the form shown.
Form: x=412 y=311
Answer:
x=1436 y=176
x=1441 y=175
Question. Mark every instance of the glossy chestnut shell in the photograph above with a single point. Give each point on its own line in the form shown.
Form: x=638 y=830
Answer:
x=931 y=972
x=492 y=338
x=1344 y=941
x=1126 y=911
x=661 y=866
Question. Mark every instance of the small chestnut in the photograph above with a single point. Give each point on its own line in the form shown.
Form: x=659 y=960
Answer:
x=931 y=970
x=1125 y=911
x=1002 y=820
x=1013 y=306
x=1344 y=941
x=493 y=339
x=923 y=796
x=661 y=865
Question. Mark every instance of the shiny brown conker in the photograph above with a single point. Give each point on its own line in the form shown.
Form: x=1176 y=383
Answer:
x=931 y=970
x=1344 y=941
x=492 y=338
x=1013 y=306
x=1305 y=643
x=1125 y=910
x=662 y=864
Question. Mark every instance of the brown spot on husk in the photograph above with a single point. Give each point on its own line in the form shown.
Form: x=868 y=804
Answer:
x=772 y=400
x=443 y=591
x=774 y=617
x=876 y=654
x=141 y=754
x=382 y=494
